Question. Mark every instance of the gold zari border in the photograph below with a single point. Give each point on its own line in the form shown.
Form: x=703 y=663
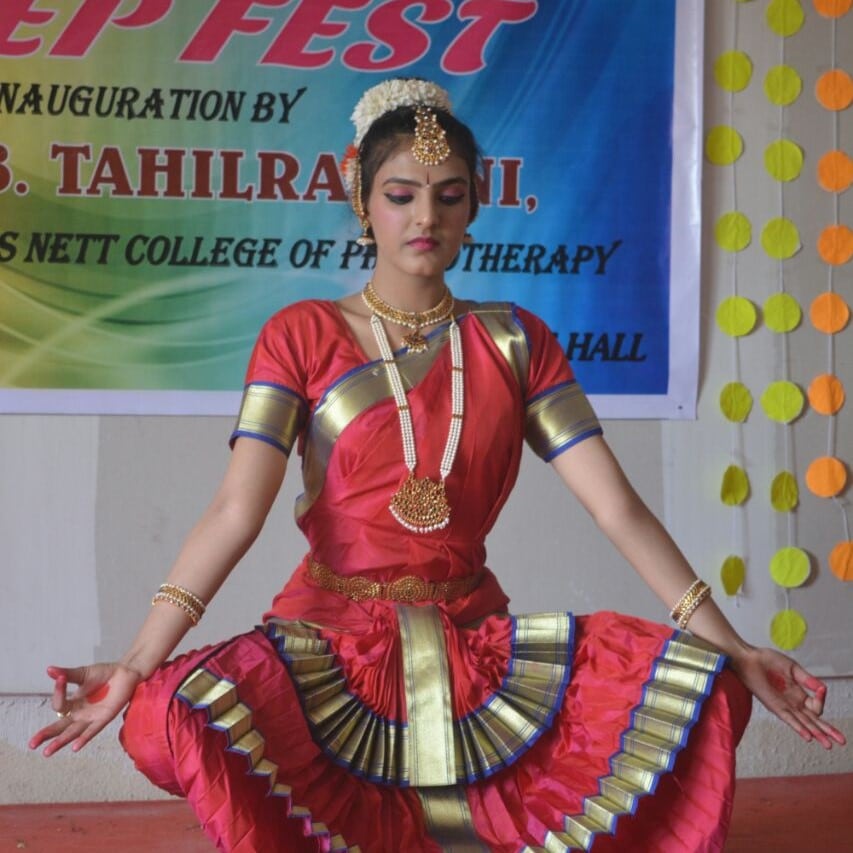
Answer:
x=557 y=418
x=218 y=698
x=271 y=413
x=428 y=705
x=509 y=337
x=681 y=681
x=493 y=736
x=448 y=820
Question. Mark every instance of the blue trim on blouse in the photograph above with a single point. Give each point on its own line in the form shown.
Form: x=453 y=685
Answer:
x=550 y=390
x=578 y=438
x=242 y=433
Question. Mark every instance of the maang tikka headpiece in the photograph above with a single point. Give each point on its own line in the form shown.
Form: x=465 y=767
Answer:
x=430 y=146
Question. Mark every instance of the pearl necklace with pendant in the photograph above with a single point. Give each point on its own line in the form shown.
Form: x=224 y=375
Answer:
x=420 y=504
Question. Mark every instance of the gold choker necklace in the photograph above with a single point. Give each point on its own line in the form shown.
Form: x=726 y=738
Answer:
x=420 y=504
x=415 y=320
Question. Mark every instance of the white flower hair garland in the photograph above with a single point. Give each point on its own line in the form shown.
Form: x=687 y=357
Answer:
x=390 y=94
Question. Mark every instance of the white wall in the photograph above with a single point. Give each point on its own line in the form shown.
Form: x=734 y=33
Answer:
x=92 y=510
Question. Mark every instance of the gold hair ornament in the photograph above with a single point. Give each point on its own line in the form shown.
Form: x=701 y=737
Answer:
x=430 y=147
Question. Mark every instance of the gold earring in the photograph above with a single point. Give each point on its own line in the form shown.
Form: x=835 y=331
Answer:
x=365 y=239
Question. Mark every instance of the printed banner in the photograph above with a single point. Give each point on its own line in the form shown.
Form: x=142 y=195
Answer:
x=170 y=177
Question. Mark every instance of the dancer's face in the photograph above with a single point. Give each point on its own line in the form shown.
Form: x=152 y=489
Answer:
x=419 y=213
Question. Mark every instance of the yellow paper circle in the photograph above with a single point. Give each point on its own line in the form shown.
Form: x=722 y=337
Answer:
x=736 y=316
x=835 y=171
x=782 y=85
x=829 y=313
x=782 y=313
x=733 y=231
x=789 y=567
x=833 y=8
x=841 y=561
x=783 y=160
x=826 y=477
x=735 y=401
x=826 y=394
x=788 y=629
x=785 y=17
x=782 y=401
x=735 y=488
x=834 y=90
x=732 y=574
x=733 y=70
x=784 y=492
x=835 y=244
x=780 y=238
x=723 y=145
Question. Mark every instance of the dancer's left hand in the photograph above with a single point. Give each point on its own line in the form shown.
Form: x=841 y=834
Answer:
x=789 y=691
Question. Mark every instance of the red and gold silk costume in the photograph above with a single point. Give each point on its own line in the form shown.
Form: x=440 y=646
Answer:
x=428 y=719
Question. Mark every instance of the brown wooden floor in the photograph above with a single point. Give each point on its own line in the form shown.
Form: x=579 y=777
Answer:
x=802 y=814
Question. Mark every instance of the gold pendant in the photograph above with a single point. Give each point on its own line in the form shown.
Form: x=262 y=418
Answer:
x=415 y=341
x=420 y=504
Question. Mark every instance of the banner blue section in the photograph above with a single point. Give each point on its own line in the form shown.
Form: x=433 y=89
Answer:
x=589 y=110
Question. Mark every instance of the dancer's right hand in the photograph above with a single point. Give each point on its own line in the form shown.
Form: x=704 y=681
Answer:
x=103 y=690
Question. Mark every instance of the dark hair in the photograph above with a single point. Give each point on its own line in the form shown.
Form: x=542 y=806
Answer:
x=386 y=133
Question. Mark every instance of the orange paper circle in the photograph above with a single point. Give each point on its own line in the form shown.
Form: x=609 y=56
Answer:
x=829 y=313
x=826 y=394
x=841 y=561
x=832 y=8
x=835 y=171
x=834 y=89
x=826 y=476
x=835 y=245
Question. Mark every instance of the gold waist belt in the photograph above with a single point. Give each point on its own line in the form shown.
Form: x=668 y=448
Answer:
x=408 y=589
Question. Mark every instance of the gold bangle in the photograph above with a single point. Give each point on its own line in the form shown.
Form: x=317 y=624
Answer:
x=191 y=612
x=174 y=589
x=685 y=599
x=684 y=608
x=181 y=598
x=704 y=593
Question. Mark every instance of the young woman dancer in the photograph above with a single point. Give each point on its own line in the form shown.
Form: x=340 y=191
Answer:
x=389 y=702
